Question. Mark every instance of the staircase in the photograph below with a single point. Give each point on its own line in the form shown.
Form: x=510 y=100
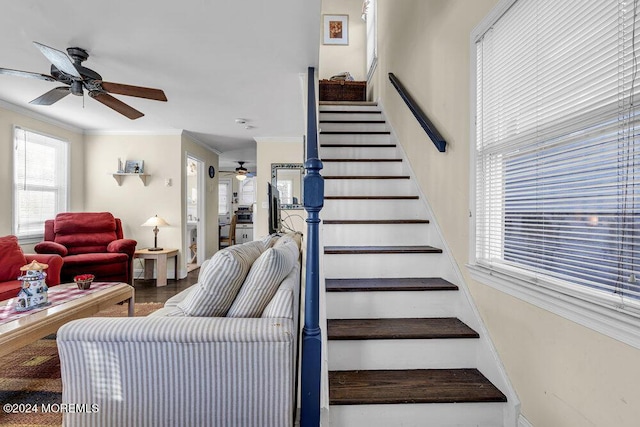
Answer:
x=404 y=345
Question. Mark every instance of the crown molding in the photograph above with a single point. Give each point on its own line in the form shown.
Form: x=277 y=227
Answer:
x=272 y=139
x=200 y=143
x=41 y=117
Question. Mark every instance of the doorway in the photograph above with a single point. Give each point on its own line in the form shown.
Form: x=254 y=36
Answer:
x=194 y=226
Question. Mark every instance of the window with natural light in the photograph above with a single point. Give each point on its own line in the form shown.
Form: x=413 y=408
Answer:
x=40 y=181
x=557 y=155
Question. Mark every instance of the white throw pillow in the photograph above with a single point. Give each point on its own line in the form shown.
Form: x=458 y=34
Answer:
x=263 y=280
x=220 y=280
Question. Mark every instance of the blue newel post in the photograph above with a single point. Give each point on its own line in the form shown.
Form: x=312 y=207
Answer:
x=311 y=333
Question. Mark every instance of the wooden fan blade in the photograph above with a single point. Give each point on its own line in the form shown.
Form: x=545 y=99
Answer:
x=137 y=91
x=54 y=95
x=116 y=104
x=59 y=59
x=27 y=74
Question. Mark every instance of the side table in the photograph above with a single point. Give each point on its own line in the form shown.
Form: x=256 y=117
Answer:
x=160 y=259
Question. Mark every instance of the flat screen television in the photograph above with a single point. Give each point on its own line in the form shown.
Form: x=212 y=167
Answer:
x=274 y=209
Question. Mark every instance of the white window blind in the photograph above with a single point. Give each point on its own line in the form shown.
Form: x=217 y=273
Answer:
x=369 y=10
x=224 y=196
x=40 y=178
x=557 y=151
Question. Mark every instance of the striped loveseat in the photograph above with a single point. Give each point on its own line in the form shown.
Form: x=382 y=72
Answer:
x=174 y=368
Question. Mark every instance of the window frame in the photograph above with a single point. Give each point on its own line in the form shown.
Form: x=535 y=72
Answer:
x=613 y=317
x=64 y=207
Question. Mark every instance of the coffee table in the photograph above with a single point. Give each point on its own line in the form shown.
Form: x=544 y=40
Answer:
x=67 y=303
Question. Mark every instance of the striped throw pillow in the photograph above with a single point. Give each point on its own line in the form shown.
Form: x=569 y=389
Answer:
x=219 y=282
x=263 y=280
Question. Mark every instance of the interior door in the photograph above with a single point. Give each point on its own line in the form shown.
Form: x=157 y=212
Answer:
x=194 y=225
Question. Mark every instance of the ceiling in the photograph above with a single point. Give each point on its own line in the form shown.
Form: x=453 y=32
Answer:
x=215 y=60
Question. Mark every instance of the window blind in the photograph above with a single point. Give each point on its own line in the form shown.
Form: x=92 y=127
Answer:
x=40 y=181
x=369 y=11
x=557 y=155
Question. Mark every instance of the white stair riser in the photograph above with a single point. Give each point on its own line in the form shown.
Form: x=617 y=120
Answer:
x=418 y=415
x=385 y=265
x=402 y=354
x=325 y=108
x=372 y=209
x=392 y=304
x=376 y=234
x=369 y=187
x=350 y=116
x=359 y=153
x=359 y=127
x=375 y=138
x=362 y=168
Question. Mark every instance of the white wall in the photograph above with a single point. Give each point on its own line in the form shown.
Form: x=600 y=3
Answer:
x=335 y=59
x=9 y=118
x=565 y=375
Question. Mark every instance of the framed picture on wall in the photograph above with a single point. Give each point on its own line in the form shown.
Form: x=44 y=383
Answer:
x=336 y=29
x=134 y=166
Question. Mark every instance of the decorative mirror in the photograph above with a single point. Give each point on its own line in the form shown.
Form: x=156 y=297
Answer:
x=287 y=178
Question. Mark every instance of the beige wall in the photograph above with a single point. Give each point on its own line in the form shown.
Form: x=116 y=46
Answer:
x=164 y=159
x=8 y=119
x=274 y=151
x=565 y=375
x=335 y=59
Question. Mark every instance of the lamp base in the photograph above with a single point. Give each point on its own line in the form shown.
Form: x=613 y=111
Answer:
x=154 y=249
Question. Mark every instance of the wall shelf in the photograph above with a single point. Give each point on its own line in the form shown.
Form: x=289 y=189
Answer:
x=118 y=177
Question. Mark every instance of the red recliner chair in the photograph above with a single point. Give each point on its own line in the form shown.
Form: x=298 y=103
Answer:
x=12 y=258
x=89 y=242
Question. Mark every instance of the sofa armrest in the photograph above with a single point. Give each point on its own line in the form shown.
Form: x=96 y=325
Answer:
x=47 y=247
x=54 y=262
x=126 y=246
x=182 y=370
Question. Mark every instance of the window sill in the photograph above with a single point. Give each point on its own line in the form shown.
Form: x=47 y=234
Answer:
x=611 y=318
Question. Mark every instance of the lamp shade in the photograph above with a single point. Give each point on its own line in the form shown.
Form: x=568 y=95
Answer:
x=155 y=221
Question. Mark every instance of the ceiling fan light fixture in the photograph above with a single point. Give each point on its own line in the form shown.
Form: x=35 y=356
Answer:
x=241 y=177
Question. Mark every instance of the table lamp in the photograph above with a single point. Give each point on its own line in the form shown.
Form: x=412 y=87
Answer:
x=155 y=222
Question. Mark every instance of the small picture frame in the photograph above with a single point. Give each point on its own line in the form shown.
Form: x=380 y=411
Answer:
x=336 y=29
x=134 y=166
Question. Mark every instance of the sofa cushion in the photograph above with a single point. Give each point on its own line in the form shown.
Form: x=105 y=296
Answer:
x=84 y=222
x=220 y=280
x=263 y=280
x=11 y=258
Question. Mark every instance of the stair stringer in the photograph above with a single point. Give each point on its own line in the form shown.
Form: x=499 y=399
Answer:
x=487 y=358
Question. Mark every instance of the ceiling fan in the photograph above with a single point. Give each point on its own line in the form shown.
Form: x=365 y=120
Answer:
x=77 y=78
x=242 y=173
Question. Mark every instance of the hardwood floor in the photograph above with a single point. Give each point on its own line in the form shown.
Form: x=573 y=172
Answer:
x=146 y=290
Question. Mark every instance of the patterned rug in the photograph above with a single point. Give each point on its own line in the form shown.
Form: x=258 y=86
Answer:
x=31 y=376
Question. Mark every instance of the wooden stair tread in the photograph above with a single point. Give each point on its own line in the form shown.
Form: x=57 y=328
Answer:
x=367 y=177
x=421 y=249
x=365 y=103
x=371 y=197
x=374 y=221
x=411 y=386
x=389 y=284
x=358 y=145
x=353 y=121
x=410 y=328
x=355 y=132
x=360 y=160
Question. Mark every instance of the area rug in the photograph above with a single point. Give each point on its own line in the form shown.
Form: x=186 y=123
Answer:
x=31 y=377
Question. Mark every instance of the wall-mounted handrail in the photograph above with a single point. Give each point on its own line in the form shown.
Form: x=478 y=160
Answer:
x=422 y=118
x=311 y=333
